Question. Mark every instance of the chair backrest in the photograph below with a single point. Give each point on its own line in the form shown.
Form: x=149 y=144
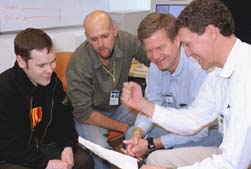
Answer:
x=62 y=60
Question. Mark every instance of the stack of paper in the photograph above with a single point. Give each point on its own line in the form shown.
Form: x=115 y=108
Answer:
x=120 y=160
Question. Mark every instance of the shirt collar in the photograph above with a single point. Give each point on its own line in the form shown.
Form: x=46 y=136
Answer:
x=180 y=66
x=93 y=55
x=115 y=56
x=231 y=62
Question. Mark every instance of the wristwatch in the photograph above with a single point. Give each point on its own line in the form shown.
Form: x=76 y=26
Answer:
x=150 y=146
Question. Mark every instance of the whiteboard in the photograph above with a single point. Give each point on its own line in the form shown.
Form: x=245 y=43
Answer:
x=20 y=14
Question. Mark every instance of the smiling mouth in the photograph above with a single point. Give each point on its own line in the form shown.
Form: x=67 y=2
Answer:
x=47 y=77
x=102 y=49
x=160 y=61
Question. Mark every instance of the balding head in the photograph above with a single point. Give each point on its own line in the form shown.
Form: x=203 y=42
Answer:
x=97 y=19
x=100 y=32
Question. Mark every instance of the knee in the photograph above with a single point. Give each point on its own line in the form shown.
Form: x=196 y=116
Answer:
x=102 y=141
x=78 y=127
x=127 y=116
x=151 y=159
x=161 y=158
x=94 y=134
x=129 y=132
x=83 y=159
x=87 y=162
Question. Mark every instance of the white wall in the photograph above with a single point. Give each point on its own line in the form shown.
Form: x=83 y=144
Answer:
x=64 y=39
x=116 y=5
x=7 y=55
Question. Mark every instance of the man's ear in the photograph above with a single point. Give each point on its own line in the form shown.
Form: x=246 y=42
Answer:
x=115 y=29
x=21 y=62
x=85 y=34
x=177 y=41
x=212 y=31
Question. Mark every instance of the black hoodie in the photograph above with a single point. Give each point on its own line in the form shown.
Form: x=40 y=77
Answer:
x=19 y=141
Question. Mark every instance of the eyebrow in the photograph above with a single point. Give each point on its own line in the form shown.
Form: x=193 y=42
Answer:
x=47 y=62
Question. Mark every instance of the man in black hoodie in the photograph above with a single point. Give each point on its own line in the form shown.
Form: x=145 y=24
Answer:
x=36 y=126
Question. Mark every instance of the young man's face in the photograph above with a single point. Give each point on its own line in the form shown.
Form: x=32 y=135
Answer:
x=198 y=46
x=40 y=67
x=162 y=51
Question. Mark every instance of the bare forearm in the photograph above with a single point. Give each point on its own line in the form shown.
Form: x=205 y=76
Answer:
x=147 y=107
x=158 y=143
x=103 y=121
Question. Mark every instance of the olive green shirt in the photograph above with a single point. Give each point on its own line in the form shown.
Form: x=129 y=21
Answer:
x=90 y=85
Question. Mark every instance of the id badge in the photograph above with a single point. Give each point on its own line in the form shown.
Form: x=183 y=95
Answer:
x=169 y=99
x=114 y=97
x=220 y=123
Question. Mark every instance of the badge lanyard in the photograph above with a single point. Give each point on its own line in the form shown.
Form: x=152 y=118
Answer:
x=113 y=75
x=114 y=95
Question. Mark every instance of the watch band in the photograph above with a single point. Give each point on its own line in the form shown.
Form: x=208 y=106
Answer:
x=150 y=146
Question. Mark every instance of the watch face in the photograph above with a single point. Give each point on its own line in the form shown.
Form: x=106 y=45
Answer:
x=151 y=146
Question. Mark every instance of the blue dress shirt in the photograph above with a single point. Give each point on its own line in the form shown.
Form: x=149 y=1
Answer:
x=173 y=90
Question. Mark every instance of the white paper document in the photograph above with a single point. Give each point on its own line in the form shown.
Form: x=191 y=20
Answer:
x=120 y=160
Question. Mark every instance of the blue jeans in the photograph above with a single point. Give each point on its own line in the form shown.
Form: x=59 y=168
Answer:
x=99 y=135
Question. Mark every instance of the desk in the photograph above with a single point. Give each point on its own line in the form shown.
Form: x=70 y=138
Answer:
x=138 y=70
x=138 y=74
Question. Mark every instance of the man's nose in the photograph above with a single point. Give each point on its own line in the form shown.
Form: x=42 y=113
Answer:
x=100 y=42
x=50 y=68
x=155 y=54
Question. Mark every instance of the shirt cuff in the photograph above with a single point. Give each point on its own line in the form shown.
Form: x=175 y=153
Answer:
x=159 y=115
x=144 y=123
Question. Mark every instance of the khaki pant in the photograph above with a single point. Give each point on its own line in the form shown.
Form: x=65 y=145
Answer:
x=181 y=156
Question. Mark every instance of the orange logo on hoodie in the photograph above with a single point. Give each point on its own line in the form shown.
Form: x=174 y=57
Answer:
x=36 y=115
